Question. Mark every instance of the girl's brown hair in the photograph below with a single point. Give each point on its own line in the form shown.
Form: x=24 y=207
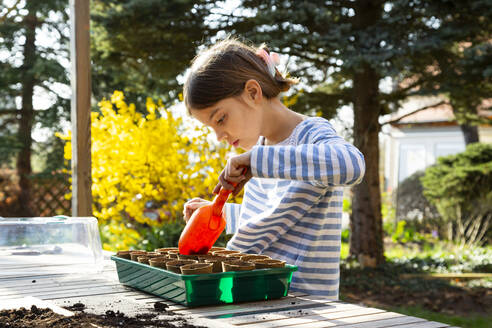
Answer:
x=222 y=70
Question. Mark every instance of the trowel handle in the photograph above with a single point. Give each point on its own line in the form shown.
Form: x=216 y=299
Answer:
x=221 y=198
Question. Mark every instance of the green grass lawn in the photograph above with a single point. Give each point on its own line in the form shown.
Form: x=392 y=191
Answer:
x=428 y=257
x=473 y=321
x=344 y=251
x=442 y=256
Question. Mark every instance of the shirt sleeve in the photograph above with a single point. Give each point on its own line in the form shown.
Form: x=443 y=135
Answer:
x=232 y=216
x=324 y=159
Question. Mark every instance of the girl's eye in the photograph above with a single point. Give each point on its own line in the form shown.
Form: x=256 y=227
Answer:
x=221 y=120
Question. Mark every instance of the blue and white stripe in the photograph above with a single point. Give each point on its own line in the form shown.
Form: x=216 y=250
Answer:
x=292 y=207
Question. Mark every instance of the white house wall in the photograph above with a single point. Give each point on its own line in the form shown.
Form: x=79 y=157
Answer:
x=410 y=149
x=485 y=134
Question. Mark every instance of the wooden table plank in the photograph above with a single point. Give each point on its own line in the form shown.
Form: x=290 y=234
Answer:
x=51 y=282
x=76 y=292
x=291 y=313
x=65 y=287
x=381 y=319
x=231 y=310
x=356 y=321
x=382 y=323
x=310 y=320
x=40 y=285
x=110 y=273
x=31 y=276
x=239 y=307
x=425 y=324
x=102 y=291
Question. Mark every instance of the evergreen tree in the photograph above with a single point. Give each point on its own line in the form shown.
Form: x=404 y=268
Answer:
x=142 y=46
x=459 y=187
x=345 y=49
x=462 y=68
x=28 y=67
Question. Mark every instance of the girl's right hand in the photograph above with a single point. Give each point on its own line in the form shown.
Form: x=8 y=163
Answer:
x=235 y=174
x=191 y=205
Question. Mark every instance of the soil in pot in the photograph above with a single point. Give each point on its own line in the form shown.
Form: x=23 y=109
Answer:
x=196 y=268
x=173 y=253
x=237 y=265
x=213 y=249
x=225 y=253
x=187 y=257
x=265 y=264
x=124 y=255
x=174 y=266
x=165 y=250
x=135 y=254
x=160 y=262
x=202 y=258
x=153 y=254
x=234 y=257
x=216 y=263
x=253 y=257
x=143 y=259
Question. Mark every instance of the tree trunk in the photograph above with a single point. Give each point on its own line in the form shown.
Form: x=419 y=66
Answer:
x=24 y=169
x=470 y=133
x=366 y=240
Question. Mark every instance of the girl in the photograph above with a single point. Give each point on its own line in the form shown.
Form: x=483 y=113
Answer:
x=294 y=168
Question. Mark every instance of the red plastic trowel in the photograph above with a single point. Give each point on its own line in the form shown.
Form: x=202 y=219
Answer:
x=204 y=227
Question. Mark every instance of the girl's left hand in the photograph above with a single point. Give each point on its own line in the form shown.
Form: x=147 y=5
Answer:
x=237 y=170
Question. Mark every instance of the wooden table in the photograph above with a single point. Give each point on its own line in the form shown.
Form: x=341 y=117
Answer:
x=102 y=291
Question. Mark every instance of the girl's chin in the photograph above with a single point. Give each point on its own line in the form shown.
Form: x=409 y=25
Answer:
x=245 y=147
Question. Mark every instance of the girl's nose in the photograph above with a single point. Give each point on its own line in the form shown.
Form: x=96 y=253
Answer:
x=220 y=135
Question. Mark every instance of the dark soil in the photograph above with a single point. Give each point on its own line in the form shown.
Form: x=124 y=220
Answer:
x=454 y=302
x=382 y=287
x=46 y=318
x=159 y=306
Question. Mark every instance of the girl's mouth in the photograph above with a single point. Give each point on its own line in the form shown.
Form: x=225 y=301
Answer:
x=235 y=143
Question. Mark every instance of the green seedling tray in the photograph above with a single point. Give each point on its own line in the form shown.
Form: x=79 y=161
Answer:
x=206 y=289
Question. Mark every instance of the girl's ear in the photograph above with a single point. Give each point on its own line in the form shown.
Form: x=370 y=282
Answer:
x=252 y=91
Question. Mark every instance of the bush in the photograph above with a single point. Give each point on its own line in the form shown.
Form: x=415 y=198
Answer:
x=459 y=186
x=9 y=194
x=345 y=235
x=411 y=203
x=144 y=168
x=413 y=209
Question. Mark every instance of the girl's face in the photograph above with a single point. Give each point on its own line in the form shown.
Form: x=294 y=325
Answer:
x=234 y=120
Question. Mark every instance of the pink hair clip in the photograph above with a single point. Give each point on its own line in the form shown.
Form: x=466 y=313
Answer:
x=271 y=60
x=275 y=58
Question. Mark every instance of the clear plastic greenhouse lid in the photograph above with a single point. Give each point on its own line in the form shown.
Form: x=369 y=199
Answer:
x=33 y=246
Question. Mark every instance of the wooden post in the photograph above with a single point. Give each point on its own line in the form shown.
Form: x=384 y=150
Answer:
x=81 y=108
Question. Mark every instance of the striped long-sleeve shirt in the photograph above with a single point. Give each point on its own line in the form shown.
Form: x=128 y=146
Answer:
x=292 y=207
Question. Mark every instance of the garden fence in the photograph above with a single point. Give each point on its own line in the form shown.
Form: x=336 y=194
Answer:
x=47 y=194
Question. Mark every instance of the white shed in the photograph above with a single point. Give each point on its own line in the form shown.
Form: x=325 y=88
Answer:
x=414 y=141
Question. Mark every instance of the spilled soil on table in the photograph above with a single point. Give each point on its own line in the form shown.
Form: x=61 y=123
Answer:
x=46 y=318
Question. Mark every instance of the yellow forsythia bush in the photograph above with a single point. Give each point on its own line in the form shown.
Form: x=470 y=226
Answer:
x=139 y=160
